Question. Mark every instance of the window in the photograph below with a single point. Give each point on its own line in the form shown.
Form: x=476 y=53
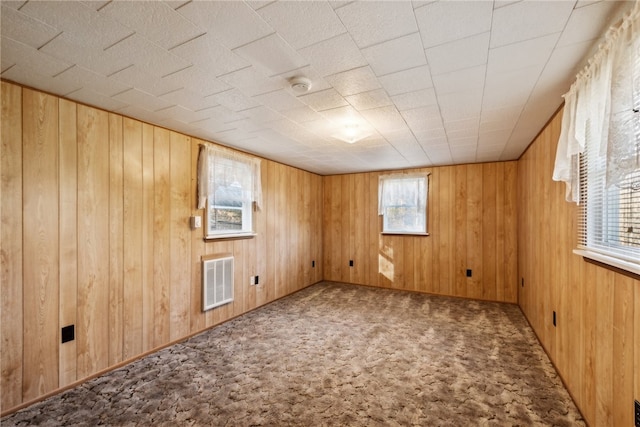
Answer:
x=228 y=187
x=402 y=202
x=599 y=148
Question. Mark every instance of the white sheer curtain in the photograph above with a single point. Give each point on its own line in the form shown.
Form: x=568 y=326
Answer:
x=394 y=189
x=220 y=168
x=599 y=108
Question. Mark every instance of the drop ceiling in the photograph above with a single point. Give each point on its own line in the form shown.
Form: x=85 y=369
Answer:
x=427 y=83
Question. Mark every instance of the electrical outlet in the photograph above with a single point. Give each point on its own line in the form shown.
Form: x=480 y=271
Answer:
x=68 y=333
x=554 y=318
x=257 y=281
x=313 y=264
x=469 y=272
x=637 y=412
x=523 y=282
x=350 y=263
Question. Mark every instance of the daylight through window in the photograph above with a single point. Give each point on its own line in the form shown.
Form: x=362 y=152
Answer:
x=402 y=202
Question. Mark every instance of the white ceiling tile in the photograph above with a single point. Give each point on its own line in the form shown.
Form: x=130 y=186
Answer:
x=563 y=65
x=14 y=52
x=302 y=23
x=19 y=26
x=152 y=19
x=384 y=119
x=32 y=78
x=97 y=60
x=456 y=55
x=354 y=81
x=588 y=22
x=279 y=100
x=142 y=100
x=196 y=80
x=522 y=54
x=460 y=105
x=138 y=78
x=509 y=114
x=334 y=55
x=233 y=23
x=457 y=135
x=251 y=81
x=179 y=113
x=415 y=99
x=423 y=118
x=189 y=99
x=95 y=99
x=511 y=88
x=395 y=55
x=527 y=20
x=262 y=114
x=97 y=82
x=469 y=79
x=218 y=59
x=272 y=54
x=138 y=113
x=439 y=154
x=432 y=136
x=371 y=23
x=494 y=138
x=301 y=115
x=323 y=100
x=367 y=100
x=443 y=22
x=80 y=23
x=407 y=80
x=234 y=100
x=458 y=125
x=148 y=56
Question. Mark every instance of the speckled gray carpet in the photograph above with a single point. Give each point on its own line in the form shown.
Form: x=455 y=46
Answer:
x=338 y=355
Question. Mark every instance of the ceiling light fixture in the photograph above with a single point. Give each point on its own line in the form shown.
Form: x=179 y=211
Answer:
x=351 y=134
x=300 y=84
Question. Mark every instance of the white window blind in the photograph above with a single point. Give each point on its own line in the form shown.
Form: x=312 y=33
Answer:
x=402 y=202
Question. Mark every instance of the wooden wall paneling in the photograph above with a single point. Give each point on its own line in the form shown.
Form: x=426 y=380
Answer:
x=68 y=149
x=623 y=345
x=11 y=249
x=306 y=195
x=436 y=242
x=292 y=200
x=92 y=330
x=261 y=247
x=161 y=284
x=116 y=240
x=180 y=147
x=375 y=240
x=40 y=244
x=356 y=223
x=589 y=321
x=510 y=232
x=318 y=210
x=329 y=231
x=344 y=226
x=461 y=263
x=148 y=220
x=133 y=223
x=269 y=199
x=473 y=229
x=489 y=228
x=604 y=353
x=499 y=261
x=241 y=277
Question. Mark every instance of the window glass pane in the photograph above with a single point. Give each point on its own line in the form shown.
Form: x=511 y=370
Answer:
x=403 y=202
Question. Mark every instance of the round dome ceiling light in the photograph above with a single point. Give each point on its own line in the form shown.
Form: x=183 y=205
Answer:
x=300 y=85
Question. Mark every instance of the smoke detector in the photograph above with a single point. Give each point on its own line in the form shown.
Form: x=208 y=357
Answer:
x=300 y=85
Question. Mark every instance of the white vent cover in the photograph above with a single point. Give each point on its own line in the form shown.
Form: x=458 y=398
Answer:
x=217 y=282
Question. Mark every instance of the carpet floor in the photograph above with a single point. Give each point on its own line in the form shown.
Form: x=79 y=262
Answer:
x=334 y=355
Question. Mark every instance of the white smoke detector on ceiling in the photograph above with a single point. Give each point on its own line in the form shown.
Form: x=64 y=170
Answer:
x=300 y=85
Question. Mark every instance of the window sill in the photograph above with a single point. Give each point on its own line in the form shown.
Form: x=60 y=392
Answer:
x=236 y=236
x=403 y=233
x=605 y=261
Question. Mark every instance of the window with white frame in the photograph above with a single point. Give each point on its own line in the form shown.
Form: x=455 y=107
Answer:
x=229 y=188
x=402 y=202
x=599 y=148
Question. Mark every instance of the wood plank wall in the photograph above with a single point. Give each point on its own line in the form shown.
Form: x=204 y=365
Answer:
x=472 y=224
x=595 y=343
x=95 y=232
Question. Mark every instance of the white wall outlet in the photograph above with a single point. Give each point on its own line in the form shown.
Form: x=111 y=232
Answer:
x=196 y=222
